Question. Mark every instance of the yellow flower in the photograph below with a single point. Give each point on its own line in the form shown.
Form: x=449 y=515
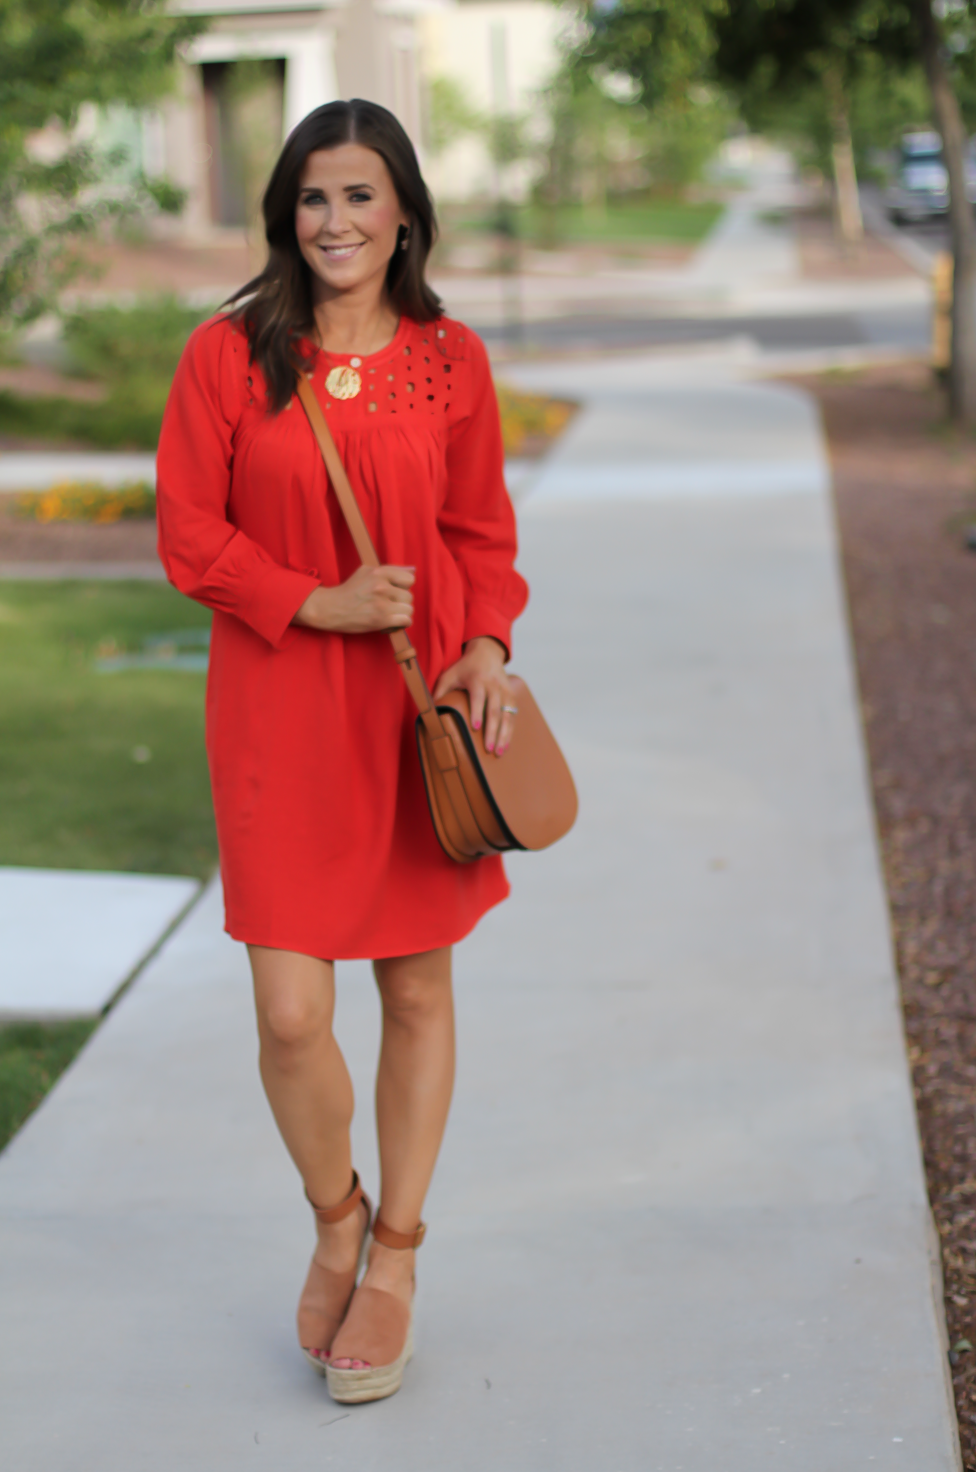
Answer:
x=89 y=501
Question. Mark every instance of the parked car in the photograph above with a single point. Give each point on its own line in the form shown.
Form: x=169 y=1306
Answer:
x=920 y=188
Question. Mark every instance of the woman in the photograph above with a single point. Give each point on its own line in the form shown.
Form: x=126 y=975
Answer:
x=327 y=848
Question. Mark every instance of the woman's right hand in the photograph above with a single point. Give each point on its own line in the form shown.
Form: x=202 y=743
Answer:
x=373 y=598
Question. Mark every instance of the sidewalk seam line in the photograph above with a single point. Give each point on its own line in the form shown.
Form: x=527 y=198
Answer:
x=202 y=886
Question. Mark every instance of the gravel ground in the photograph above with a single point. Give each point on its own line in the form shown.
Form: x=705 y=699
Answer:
x=905 y=491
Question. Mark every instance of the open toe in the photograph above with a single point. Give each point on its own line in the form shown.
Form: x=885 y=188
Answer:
x=374 y=1345
x=327 y=1293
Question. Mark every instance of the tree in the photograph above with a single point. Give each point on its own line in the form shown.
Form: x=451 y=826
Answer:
x=780 y=43
x=56 y=56
x=448 y=115
x=788 y=49
x=631 y=100
x=955 y=147
x=665 y=45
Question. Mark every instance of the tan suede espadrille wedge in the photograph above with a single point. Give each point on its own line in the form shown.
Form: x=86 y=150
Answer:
x=377 y=1330
x=326 y=1296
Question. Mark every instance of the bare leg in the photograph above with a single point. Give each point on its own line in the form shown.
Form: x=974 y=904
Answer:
x=310 y=1093
x=413 y=1096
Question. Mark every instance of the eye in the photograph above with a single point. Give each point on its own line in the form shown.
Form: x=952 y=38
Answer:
x=314 y=197
x=361 y=196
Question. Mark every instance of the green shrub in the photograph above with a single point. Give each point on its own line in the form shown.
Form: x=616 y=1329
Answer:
x=134 y=352
x=122 y=344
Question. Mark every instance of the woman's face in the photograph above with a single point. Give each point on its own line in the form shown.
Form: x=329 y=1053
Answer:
x=347 y=218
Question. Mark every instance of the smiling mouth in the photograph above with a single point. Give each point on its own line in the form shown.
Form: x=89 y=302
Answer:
x=341 y=252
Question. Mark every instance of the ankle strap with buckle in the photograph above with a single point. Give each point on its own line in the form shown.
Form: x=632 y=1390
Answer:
x=386 y=1236
x=329 y=1214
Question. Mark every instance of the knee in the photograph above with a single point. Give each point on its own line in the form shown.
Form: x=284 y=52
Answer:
x=289 y=1023
x=415 y=1001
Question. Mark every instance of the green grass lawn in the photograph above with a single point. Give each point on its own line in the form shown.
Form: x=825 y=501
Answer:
x=32 y=1057
x=665 y=222
x=77 y=789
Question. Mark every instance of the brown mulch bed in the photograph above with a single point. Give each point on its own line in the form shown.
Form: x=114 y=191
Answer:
x=905 y=491
x=822 y=258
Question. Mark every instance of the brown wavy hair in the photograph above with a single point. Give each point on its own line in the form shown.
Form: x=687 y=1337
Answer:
x=276 y=307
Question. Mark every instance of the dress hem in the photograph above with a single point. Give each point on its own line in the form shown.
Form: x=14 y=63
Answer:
x=384 y=953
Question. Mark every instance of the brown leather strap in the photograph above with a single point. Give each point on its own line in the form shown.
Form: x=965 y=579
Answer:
x=403 y=650
x=386 y=1236
x=329 y=1214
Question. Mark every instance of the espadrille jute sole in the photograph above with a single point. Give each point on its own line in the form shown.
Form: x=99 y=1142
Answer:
x=351 y=1386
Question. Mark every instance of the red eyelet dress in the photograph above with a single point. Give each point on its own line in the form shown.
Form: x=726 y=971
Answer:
x=326 y=844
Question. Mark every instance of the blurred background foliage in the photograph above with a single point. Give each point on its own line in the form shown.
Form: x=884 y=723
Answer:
x=648 y=90
x=618 y=149
x=132 y=352
x=597 y=134
x=606 y=143
x=56 y=59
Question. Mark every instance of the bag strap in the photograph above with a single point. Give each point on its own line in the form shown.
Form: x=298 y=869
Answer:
x=403 y=651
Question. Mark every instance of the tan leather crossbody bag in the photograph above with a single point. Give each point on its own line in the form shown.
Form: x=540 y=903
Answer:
x=480 y=804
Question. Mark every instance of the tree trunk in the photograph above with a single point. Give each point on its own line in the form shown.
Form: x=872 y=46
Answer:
x=948 y=118
x=847 y=204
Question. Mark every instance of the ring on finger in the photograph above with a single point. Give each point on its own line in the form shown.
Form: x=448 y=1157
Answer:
x=512 y=709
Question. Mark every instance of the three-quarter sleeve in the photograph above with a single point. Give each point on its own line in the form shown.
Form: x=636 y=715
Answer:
x=204 y=554
x=477 y=520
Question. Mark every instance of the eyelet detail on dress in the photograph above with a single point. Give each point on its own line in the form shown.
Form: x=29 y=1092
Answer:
x=399 y=385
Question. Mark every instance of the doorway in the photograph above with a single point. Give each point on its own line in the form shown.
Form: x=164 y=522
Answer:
x=244 y=113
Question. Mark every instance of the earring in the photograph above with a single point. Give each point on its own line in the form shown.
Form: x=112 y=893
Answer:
x=406 y=238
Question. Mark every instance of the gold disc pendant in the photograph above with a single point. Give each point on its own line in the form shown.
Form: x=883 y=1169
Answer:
x=343 y=383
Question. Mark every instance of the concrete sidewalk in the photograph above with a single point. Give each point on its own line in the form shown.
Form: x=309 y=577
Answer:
x=71 y=938
x=36 y=470
x=679 y=1223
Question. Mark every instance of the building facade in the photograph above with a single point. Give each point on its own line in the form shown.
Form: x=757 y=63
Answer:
x=218 y=134
x=263 y=65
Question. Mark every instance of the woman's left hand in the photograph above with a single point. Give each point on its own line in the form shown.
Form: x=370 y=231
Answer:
x=481 y=672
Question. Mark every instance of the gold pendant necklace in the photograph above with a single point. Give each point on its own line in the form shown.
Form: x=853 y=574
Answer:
x=343 y=382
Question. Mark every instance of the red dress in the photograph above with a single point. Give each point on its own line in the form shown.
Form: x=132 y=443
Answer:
x=326 y=844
